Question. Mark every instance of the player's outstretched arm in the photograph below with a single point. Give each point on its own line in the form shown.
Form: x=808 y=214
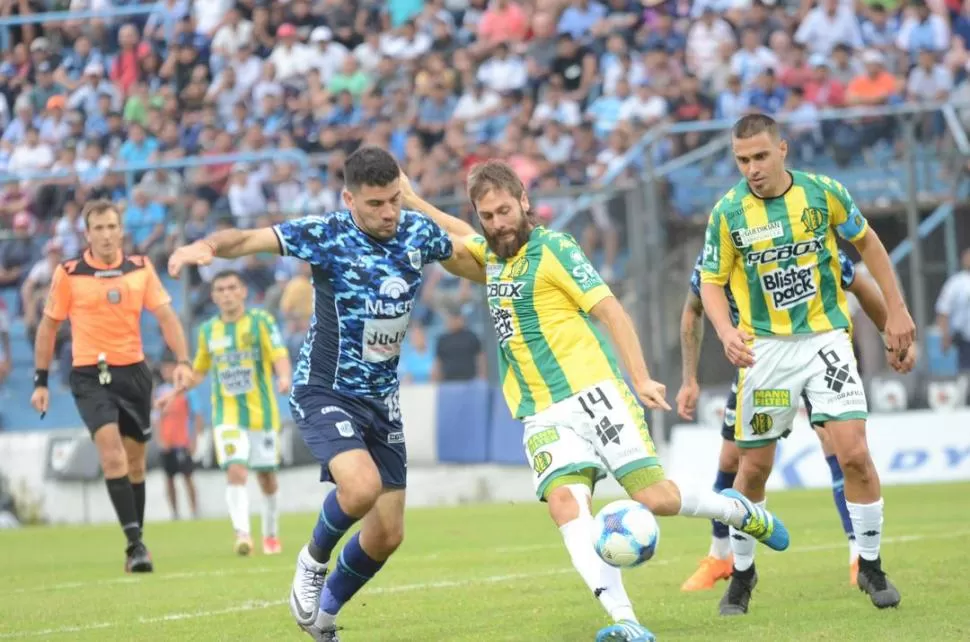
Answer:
x=619 y=325
x=900 y=331
x=691 y=336
x=463 y=261
x=226 y=244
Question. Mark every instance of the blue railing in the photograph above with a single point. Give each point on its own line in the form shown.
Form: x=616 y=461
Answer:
x=301 y=158
x=48 y=17
x=640 y=150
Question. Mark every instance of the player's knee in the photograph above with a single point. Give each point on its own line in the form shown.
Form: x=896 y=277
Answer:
x=357 y=496
x=237 y=474
x=390 y=539
x=268 y=483
x=114 y=461
x=563 y=505
x=662 y=497
x=136 y=467
x=856 y=462
x=754 y=471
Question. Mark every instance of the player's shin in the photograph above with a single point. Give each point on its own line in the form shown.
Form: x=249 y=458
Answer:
x=353 y=569
x=332 y=523
x=271 y=515
x=237 y=500
x=123 y=498
x=720 y=545
x=838 y=495
x=867 y=524
x=603 y=580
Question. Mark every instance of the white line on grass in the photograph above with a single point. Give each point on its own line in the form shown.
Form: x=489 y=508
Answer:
x=258 y=570
x=402 y=588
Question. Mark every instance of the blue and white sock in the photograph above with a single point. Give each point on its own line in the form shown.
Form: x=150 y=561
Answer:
x=354 y=568
x=720 y=544
x=332 y=523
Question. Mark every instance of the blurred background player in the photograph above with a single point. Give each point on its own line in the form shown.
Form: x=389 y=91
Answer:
x=243 y=348
x=562 y=380
x=780 y=258
x=718 y=563
x=367 y=264
x=179 y=425
x=103 y=294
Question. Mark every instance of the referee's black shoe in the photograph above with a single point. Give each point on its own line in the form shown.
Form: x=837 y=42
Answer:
x=738 y=594
x=873 y=581
x=139 y=560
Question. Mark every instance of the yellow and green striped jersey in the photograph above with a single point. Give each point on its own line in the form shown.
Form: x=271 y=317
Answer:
x=539 y=301
x=240 y=355
x=780 y=256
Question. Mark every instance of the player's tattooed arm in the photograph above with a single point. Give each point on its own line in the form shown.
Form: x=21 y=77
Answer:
x=227 y=244
x=691 y=337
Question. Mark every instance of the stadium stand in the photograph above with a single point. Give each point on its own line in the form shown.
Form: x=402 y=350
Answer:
x=153 y=105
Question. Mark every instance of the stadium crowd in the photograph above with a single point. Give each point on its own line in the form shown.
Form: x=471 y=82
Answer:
x=561 y=89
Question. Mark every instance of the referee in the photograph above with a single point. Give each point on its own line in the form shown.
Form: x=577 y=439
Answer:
x=103 y=294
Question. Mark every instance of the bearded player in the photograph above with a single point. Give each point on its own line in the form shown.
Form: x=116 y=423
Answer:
x=772 y=240
x=562 y=380
x=718 y=563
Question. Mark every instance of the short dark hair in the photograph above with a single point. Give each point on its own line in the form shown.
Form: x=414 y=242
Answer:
x=98 y=206
x=370 y=166
x=230 y=273
x=754 y=124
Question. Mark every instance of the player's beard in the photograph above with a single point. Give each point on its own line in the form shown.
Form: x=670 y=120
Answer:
x=508 y=246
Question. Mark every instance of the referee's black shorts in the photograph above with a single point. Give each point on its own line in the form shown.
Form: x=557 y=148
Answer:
x=126 y=400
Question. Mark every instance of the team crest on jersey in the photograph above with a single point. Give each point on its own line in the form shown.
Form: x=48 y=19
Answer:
x=414 y=256
x=114 y=296
x=246 y=340
x=813 y=219
x=519 y=268
x=761 y=423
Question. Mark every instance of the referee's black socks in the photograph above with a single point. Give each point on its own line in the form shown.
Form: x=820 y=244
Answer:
x=123 y=497
x=139 y=489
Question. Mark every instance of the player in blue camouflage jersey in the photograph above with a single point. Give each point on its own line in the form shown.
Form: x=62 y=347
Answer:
x=718 y=564
x=367 y=264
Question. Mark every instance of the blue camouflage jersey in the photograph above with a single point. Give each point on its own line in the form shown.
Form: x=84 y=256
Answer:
x=848 y=276
x=364 y=290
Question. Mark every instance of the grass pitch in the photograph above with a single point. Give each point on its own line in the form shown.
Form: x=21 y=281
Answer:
x=491 y=572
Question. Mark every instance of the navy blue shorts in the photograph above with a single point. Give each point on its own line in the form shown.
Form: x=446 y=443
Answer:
x=730 y=411
x=332 y=423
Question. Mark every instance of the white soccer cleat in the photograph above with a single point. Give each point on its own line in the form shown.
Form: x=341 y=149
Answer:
x=307 y=586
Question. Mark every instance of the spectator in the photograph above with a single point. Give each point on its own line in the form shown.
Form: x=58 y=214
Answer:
x=827 y=25
x=18 y=253
x=458 y=355
x=417 y=359
x=36 y=285
x=953 y=313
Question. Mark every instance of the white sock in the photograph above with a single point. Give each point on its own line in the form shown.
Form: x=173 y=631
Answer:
x=710 y=505
x=271 y=516
x=237 y=498
x=601 y=578
x=867 y=527
x=743 y=545
x=720 y=548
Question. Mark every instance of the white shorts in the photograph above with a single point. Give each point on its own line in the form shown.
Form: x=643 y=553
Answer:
x=823 y=365
x=602 y=428
x=255 y=449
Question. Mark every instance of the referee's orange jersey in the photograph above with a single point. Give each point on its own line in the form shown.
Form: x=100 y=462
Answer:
x=104 y=304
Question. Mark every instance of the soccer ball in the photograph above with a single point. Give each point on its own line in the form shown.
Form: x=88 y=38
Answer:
x=625 y=533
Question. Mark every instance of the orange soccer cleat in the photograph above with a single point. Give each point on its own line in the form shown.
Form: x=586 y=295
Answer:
x=272 y=546
x=854 y=572
x=711 y=570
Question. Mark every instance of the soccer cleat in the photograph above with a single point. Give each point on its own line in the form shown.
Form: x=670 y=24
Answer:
x=272 y=546
x=760 y=524
x=625 y=631
x=738 y=594
x=710 y=570
x=138 y=559
x=854 y=572
x=243 y=545
x=873 y=580
x=307 y=586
